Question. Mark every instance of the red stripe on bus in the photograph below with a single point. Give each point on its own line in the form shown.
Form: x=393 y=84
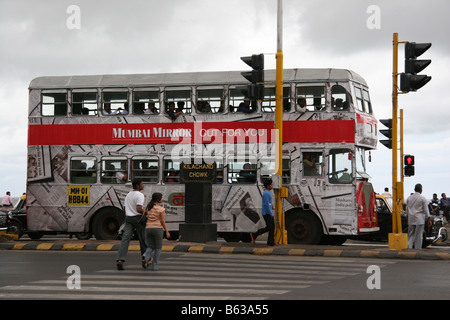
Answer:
x=206 y=132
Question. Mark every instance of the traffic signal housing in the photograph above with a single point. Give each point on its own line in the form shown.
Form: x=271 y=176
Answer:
x=387 y=132
x=411 y=80
x=409 y=165
x=255 y=90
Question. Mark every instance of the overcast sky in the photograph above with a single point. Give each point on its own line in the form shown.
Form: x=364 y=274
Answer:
x=38 y=38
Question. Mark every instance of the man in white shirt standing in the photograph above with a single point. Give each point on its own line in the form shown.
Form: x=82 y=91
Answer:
x=417 y=211
x=134 y=208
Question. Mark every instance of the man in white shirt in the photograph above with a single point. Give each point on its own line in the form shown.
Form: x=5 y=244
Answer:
x=134 y=208
x=417 y=211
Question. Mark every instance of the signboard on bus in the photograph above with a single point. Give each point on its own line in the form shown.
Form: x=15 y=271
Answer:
x=78 y=195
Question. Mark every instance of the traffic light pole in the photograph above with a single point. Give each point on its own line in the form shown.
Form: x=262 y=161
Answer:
x=397 y=239
x=402 y=153
x=280 y=232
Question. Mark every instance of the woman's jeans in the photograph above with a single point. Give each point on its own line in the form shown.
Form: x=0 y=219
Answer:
x=131 y=223
x=154 y=241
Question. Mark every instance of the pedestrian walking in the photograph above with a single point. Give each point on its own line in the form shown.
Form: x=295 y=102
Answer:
x=417 y=212
x=154 y=231
x=267 y=213
x=134 y=208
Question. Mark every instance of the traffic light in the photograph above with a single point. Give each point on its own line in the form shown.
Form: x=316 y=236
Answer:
x=411 y=80
x=387 y=133
x=409 y=165
x=255 y=90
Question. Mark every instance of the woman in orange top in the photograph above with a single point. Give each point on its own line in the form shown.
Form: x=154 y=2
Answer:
x=154 y=230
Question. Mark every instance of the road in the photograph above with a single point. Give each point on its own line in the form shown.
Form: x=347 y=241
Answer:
x=202 y=277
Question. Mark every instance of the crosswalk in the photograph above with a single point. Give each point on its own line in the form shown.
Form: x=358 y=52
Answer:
x=199 y=277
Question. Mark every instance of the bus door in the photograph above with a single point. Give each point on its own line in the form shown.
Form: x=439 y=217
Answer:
x=312 y=182
x=340 y=191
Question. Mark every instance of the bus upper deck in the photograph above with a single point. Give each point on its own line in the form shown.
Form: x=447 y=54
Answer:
x=214 y=97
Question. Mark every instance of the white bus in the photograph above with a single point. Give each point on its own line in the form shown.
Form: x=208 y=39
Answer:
x=89 y=136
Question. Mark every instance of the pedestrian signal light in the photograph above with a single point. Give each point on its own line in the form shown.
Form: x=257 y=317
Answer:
x=409 y=165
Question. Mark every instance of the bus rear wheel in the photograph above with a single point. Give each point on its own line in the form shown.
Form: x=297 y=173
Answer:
x=304 y=228
x=107 y=222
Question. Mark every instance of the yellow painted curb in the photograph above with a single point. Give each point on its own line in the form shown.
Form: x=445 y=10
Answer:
x=444 y=256
x=262 y=251
x=73 y=246
x=403 y=254
x=226 y=250
x=297 y=252
x=196 y=249
x=369 y=253
x=104 y=247
x=168 y=248
x=44 y=246
x=332 y=253
x=18 y=246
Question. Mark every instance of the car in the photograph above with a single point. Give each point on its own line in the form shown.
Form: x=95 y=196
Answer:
x=384 y=212
x=17 y=218
x=3 y=220
x=17 y=221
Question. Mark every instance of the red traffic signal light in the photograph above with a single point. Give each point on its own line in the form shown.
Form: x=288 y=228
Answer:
x=409 y=165
x=409 y=160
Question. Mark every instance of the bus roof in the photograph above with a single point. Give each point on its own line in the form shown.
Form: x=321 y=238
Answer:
x=187 y=79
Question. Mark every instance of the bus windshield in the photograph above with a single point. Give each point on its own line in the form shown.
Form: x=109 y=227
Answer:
x=361 y=173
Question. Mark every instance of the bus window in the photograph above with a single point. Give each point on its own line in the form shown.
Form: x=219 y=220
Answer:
x=339 y=98
x=363 y=100
x=361 y=165
x=340 y=170
x=146 y=102
x=181 y=98
x=83 y=170
x=239 y=103
x=145 y=168
x=269 y=102
x=84 y=103
x=367 y=101
x=171 y=170
x=312 y=164
x=310 y=98
x=115 y=103
x=210 y=101
x=54 y=104
x=268 y=169
x=359 y=100
x=242 y=170
x=114 y=170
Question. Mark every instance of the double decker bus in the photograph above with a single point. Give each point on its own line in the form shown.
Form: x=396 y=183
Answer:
x=89 y=136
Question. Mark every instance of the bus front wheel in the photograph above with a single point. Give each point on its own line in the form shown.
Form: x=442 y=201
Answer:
x=107 y=222
x=303 y=228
